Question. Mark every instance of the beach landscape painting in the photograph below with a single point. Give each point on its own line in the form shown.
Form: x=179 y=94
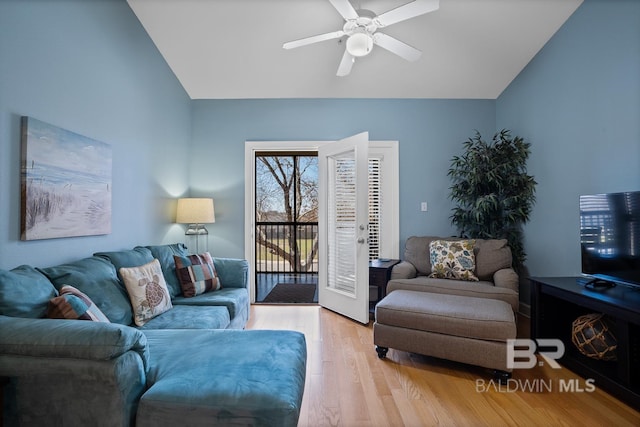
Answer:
x=66 y=183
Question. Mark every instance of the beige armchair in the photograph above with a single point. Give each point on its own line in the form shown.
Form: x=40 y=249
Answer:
x=497 y=279
x=461 y=320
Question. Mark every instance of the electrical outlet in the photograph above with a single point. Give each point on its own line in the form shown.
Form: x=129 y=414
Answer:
x=423 y=206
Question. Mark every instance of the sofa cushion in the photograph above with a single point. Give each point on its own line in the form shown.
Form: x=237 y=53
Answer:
x=147 y=291
x=235 y=299
x=190 y=317
x=453 y=259
x=233 y=378
x=127 y=258
x=95 y=277
x=73 y=304
x=196 y=274
x=164 y=254
x=233 y=273
x=69 y=339
x=24 y=292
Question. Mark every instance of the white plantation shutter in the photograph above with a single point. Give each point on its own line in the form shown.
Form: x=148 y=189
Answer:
x=595 y=222
x=343 y=274
x=342 y=224
x=375 y=207
x=632 y=204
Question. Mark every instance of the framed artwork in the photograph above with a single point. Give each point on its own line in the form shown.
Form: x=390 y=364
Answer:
x=66 y=183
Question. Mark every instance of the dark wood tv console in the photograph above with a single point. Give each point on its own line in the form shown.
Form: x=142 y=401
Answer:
x=557 y=301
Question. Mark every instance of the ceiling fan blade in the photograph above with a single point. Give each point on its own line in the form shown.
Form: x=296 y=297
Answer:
x=313 y=39
x=394 y=45
x=407 y=11
x=345 y=9
x=345 y=65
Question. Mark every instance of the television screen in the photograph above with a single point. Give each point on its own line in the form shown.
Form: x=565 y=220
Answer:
x=610 y=236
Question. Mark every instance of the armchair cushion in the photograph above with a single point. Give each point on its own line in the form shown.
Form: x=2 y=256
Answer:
x=453 y=259
x=403 y=270
x=491 y=255
x=416 y=252
x=497 y=280
x=507 y=278
x=481 y=289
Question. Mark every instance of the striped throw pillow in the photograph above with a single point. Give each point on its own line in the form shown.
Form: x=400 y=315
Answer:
x=73 y=304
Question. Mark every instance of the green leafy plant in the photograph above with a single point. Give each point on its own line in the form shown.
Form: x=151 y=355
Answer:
x=493 y=193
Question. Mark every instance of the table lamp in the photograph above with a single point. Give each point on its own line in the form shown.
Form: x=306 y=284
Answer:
x=196 y=212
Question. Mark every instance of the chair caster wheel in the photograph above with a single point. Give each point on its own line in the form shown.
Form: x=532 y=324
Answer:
x=501 y=377
x=382 y=351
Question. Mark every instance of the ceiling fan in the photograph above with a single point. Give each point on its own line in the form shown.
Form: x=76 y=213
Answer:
x=361 y=28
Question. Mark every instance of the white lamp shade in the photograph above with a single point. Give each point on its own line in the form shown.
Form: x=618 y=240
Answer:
x=359 y=44
x=195 y=211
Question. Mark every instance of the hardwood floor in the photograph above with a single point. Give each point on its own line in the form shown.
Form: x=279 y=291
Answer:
x=347 y=385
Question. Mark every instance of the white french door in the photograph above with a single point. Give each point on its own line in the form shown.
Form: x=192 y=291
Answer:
x=343 y=275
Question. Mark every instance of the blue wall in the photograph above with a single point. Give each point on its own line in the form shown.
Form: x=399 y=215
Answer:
x=429 y=132
x=578 y=103
x=89 y=67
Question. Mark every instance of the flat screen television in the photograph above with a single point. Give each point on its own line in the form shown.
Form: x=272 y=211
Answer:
x=610 y=237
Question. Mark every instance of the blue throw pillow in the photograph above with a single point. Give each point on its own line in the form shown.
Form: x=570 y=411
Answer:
x=25 y=292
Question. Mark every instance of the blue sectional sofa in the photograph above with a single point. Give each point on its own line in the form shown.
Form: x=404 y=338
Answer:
x=190 y=365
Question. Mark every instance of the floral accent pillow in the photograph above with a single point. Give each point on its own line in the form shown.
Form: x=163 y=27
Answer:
x=147 y=291
x=73 y=304
x=453 y=259
x=196 y=274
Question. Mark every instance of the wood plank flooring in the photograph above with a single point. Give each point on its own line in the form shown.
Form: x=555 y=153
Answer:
x=347 y=385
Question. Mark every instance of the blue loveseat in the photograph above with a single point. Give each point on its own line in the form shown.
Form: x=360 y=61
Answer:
x=191 y=365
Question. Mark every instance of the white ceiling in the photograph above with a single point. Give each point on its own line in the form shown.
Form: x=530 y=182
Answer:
x=227 y=49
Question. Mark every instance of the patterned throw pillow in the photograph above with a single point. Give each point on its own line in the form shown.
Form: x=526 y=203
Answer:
x=147 y=291
x=73 y=304
x=453 y=259
x=197 y=274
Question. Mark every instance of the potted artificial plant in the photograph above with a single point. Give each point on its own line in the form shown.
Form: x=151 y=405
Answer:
x=492 y=191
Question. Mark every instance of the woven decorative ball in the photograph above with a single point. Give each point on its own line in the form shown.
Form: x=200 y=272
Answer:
x=592 y=335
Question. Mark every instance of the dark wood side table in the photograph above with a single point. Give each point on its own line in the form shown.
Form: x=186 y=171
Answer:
x=379 y=275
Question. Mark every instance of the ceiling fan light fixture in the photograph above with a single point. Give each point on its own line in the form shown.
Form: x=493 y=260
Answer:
x=359 y=44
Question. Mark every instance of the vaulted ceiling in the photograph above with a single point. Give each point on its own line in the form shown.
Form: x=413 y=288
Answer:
x=228 y=49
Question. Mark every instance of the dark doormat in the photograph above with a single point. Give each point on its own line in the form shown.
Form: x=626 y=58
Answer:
x=291 y=293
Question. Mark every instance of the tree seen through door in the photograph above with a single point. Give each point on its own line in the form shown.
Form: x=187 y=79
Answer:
x=286 y=213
